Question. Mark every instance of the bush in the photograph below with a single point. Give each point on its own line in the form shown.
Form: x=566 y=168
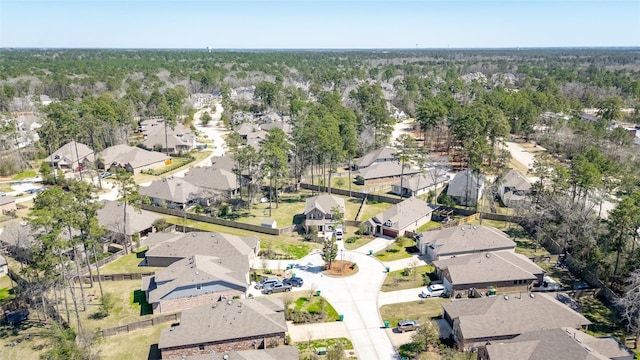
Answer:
x=426 y=280
x=352 y=240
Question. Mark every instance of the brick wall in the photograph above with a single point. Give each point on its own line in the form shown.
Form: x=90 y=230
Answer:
x=183 y=303
x=259 y=342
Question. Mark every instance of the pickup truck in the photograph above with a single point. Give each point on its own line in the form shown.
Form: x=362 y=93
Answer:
x=275 y=288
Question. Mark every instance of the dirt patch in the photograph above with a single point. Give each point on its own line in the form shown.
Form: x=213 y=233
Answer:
x=341 y=268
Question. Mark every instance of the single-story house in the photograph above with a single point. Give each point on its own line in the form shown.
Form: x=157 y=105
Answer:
x=383 y=171
x=133 y=159
x=196 y=280
x=318 y=211
x=566 y=343
x=588 y=117
x=514 y=188
x=7 y=204
x=4 y=266
x=407 y=215
x=178 y=140
x=166 y=249
x=419 y=184
x=376 y=156
x=171 y=192
x=278 y=353
x=220 y=327
x=463 y=240
x=489 y=319
x=139 y=222
x=70 y=156
x=503 y=271
x=466 y=188
x=251 y=134
x=213 y=179
x=19 y=240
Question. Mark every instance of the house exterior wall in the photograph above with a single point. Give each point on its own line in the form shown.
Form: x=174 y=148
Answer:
x=249 y=343
x=8 y=207
x=4 y=270
x=183 y=303
x=153 y=166
x=501 y=287
x=217 y=287
x=316 y=214
x=425 y=249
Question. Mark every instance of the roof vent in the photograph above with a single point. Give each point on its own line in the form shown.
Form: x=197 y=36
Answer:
x=229 y=302
x=487 y=255
x=475 y=227
x=193 y=234
x=462 y=228
x=532 y=295
x=506 y=297
x=197 y=272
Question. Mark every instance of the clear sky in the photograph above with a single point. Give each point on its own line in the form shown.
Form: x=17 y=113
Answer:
x=241 y=24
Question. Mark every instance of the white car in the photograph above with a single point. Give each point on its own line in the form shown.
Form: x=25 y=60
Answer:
x=435 y=290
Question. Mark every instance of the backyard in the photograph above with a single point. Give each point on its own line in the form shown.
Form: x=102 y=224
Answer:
x=126 y=264
x=401 y=248
x=420 y=310
x=139 y=344
x=307 y=348
x=401 y=279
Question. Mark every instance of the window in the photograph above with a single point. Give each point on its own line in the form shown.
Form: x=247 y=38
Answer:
x=198 y=286
x=201 y=347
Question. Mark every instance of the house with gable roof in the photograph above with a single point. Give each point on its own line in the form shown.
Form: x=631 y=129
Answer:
x=70 y=156
x=318 y=211
x=172 y=192
x=7 y=204
x=213 y=179
x=463 y=240
x=139 y=222
x=466 y=188
x=419 y=184
x=132 y=158
x=384 y=171
x=514 y=188
x=376 y=156
x=407 y=215
x=178 y=139
x=225 y=327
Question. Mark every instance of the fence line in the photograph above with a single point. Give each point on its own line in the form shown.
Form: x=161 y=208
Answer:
x=355 y=194
x=142 y=324
x=114 y=277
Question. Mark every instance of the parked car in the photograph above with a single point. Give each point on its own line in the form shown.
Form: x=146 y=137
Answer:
x=275 y=288
x=3 y=193
x=105 y=175
x=34 y=190
x=266 y=281
x=407 y=325
x=339 y=233
x=293 y=281
x=435 y=290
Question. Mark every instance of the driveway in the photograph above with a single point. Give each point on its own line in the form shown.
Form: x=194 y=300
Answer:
x=522 y=156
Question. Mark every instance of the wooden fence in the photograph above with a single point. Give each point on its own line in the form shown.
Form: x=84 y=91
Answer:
x=355 y=194
x=143 y=324
x=114 y=277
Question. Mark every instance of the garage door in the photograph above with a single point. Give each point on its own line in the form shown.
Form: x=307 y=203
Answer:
x=389 y=232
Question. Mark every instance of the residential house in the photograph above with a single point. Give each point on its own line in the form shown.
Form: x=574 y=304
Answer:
x=514 y=188
x=232 y=325
x=407 y=215
x=131 y=158
x=501 y=271
x=196 y=280
x=139 y=222
x=319 y=211
x=251 y=134
x=419 y=184
x=376 y=156
x=166 y=249
x=4 y=266
x=171 y=192
x=463 y=240
x=588 y=117
x=178 y=139
x=384 y=171
x=278 y=353
x=71 y=155
x=7 y=204
x=466 y=188
x=19 y=240
x=213 y=179
x=566 y=343
x=489 y=319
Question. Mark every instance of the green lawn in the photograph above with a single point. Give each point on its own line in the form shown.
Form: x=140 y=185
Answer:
x=28 y=174
x=138 y=344
x=399 y=280
x=315 y=304
x=361 y=240
x=345 y=182
x=420 y=310
x=373 y=208
x=5 y=288
x=307 y=348
x=289 y=206
x=126 y=264
x=291 y=243
x=396 y=250
x=604 y=320
x=429 y=225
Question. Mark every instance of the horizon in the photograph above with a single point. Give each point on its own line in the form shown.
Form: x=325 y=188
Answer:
x=213 y=50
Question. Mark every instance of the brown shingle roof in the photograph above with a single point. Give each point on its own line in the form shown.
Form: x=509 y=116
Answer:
x=172 y=189
x=226 y=320
x=211 y=177
x=324 y=203
x=67 y=153
x=496 y=317
x=111 y=217
x=134 y=156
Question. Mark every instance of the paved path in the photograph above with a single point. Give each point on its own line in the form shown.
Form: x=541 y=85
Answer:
x=522 y=156
x=304 y=332
x=400 y=296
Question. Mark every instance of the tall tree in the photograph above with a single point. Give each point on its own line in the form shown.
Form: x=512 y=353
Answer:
x=275 y=149
x=128 y=192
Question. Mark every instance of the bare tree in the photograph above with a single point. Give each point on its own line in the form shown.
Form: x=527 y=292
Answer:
x=630 y=303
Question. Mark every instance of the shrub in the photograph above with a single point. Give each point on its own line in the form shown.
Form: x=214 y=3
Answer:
x=352 y=240
x=426 y=280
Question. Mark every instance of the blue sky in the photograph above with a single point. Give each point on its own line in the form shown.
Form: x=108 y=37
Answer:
x=319 y=23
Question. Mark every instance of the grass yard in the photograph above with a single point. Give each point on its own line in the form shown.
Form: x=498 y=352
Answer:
x=28 y=174
x=32 y=348
x=420 y=310
x=6 y=292
x=291 y=244
x=307 y=348
x=344 y=180
x=397 y=250
x=5 y=188
x=308 y=302
x=139 y=344
x=397 y=280
x=528 y=247
x=129 y=307
x=605 y=322
x=126 y=264
x=429 y=225
x=361 y=240
x=373 y=208
x=291 y=204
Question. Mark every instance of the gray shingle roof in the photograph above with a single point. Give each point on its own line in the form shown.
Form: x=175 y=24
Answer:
x=324 y=203
x=7 y=199
x=465 y=181
x=228 y=272
x=466 y=239
x=201 y=243
x=171 y=189
x=422 y=181
x=226 y=320
x=404 y=213
x=385 y=169
x=211 y=177
x=489 y=267
x=496 y=317
x=278 y=353
x=111 y=217
x=385 y=153
x=565 y=343
x=134 y=156
x=67 y=153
